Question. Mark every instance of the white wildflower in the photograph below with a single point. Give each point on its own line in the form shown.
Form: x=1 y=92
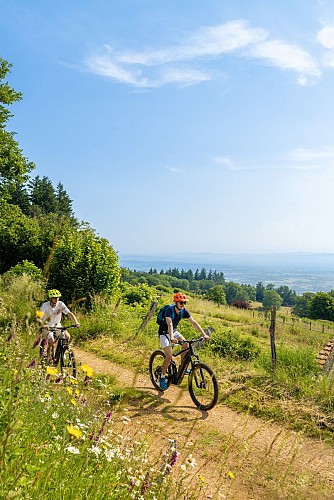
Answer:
x=95 y=449
x=109 y=454
x=73 y=449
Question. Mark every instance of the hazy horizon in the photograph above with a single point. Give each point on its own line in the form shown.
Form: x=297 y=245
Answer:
x=302 y=272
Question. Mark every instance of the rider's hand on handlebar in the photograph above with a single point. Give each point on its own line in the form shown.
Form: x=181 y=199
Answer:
x=174 y=341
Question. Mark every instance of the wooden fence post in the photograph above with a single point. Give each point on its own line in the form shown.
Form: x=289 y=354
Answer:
x=272 y=330
x=117 y=305
x=148 y=316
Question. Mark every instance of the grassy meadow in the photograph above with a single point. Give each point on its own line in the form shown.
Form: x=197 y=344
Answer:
x=295 y=394
x=70 y=438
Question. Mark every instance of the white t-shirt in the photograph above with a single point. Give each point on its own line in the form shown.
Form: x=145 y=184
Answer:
x=52 y=315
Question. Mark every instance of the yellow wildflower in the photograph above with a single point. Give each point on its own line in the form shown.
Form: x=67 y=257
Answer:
x=39 y=314
x=51 y=371
x=77 y=392
x=74 y=431
x=231 y=475
x=69 y=390
x=87 y=370
x=73 y=401
x=73 y=381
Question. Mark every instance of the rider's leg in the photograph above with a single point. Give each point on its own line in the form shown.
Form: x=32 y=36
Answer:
x=168 y=352
x=184 y=346
x=50 y=353
x=67 y=335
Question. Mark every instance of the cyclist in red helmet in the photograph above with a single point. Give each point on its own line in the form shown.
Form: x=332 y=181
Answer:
x=168 y=332
x=52 y=311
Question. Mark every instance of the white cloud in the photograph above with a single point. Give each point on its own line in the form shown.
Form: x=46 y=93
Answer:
x=224 y=160
x=104 y=65
x=297 y=159
x=207 y=42
x=329 y=60
x=176 y=170
x=184 y=76
x=153 y=68
x=326 y=37
x=305 y=155
x=286 y=56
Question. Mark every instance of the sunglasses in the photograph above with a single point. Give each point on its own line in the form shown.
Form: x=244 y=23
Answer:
x=183 y=303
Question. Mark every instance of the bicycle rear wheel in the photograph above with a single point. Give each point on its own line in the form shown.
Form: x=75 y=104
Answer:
x=155 y=366
x=203 y=386
x=67 y=363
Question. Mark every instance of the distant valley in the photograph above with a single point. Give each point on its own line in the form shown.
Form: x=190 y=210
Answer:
x=302 y=272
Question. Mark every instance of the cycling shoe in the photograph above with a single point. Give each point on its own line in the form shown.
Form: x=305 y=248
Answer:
x=163 y=384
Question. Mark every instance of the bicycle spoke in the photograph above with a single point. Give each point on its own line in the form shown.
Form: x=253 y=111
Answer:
x=155 y=365
x=68 y=363
x=203 y=387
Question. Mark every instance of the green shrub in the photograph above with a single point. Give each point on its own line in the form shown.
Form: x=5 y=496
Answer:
x=20 y=296
x=24 y=267
x=163 y=288
x=233 y=344
x=141 y=294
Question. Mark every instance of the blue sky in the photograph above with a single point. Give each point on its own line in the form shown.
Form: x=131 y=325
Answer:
x=181 y=126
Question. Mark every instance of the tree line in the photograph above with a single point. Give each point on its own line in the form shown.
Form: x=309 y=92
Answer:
x=39 y=233
x=213 y=286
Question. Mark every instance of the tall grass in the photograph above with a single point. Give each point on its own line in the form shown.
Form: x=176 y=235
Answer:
x=62 y=437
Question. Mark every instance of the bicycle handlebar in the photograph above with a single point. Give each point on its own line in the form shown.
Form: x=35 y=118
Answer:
x=192 y=341
x=62 y=328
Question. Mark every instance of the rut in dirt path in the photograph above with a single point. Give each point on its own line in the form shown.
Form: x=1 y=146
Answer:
x=254 y=441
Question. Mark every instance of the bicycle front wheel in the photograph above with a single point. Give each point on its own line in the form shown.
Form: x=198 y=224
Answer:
x=203 y=386
x=67 y=363
x=155 y=366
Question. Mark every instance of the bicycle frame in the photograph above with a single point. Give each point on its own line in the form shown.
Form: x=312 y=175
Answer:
x=202 y=382
x=190 y=357
x=62 y=352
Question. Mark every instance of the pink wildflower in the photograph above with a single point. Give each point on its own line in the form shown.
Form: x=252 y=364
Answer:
x=32 y=364
x=38 y=342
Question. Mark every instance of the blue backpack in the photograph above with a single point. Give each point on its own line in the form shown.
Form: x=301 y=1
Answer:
x=161 y=317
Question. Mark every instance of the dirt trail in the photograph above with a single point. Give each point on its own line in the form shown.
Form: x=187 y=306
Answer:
x=266 y=461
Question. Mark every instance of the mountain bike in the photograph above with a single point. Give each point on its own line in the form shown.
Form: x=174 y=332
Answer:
x=202 y=385
x=63 y=352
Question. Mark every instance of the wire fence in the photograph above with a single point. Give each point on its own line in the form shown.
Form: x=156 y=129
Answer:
x=300 y=322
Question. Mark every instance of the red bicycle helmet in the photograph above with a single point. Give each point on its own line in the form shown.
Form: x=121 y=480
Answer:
x=180 y=297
